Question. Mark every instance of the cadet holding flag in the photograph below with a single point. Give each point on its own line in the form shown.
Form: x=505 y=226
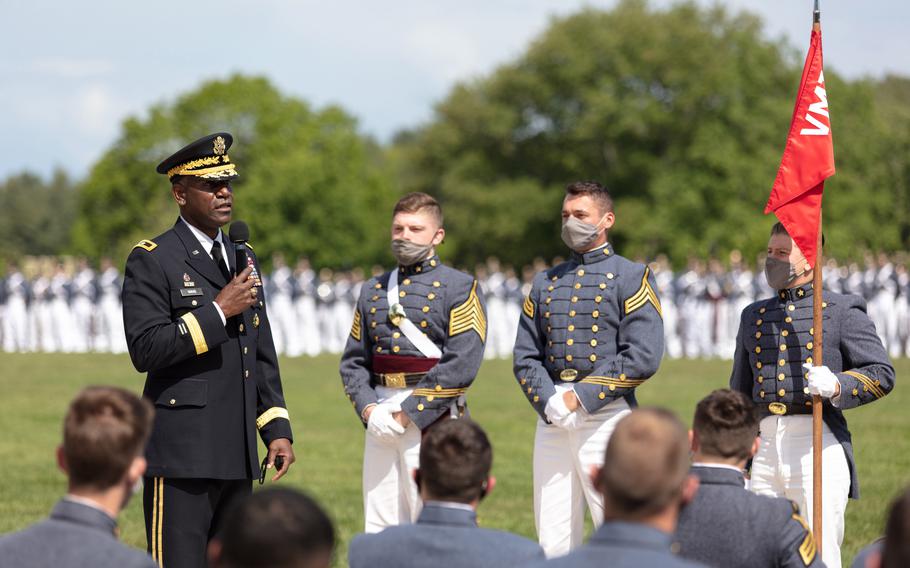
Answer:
x=781 y=340
x=590 y=333
x=414 y=348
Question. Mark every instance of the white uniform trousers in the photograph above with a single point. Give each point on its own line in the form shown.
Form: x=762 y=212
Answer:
x=783 y=468
x=390 y=495
x=563 y=460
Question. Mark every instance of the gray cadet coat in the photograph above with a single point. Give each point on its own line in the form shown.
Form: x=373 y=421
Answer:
x=445 y=304
x=594 y=321
x=775 y=339
x=726 y=525
x=75 y=535
x=623 y=545
x=443 y=536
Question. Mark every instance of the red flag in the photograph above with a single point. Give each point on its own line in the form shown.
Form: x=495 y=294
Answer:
x=808 y=160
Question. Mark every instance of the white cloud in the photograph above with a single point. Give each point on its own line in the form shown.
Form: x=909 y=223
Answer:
x=72 y=68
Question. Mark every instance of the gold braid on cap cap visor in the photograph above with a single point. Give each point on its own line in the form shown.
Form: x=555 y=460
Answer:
x=218 y=164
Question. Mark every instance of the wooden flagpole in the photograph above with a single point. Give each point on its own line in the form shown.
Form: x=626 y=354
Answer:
x=817 y=360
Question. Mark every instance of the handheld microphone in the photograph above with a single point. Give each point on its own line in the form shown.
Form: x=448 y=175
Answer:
x=239 y=234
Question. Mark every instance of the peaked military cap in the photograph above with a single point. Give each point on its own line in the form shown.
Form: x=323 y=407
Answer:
x=206 y=158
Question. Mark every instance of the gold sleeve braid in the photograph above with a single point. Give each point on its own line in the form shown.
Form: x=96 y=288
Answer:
x=271 y=414
x=468 y=316
x=196 y=334
x=868 y=384
x=529 y=307
x=645 y=295
x=355 y=327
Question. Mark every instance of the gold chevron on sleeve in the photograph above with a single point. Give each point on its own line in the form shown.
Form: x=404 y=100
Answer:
x=868 y=383
x=468 y=316
x=645 y=295
x=807 y=549
x=355 y=327
x=529 y=307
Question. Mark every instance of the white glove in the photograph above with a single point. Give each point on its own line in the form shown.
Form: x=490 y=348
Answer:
x=381 y=423
x=559 y=414
x=822 y=381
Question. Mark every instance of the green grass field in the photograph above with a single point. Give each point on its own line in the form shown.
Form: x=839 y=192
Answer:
x=35 y=390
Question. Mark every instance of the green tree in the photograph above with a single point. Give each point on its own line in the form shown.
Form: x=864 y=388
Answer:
x=37 y=215
x=682 y=113
x=309 y=183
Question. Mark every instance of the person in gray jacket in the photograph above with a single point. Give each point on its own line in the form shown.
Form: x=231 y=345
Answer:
x=644 y=482
x=104 y=437
x=726 y=525
x=454 y=476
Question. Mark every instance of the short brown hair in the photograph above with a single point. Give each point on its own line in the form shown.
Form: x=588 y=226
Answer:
x=276 y=528
x=455 y=461
x=593 y=189
x=896 y=548
x=418 y=201
x=105 y=429
x=726 y=424
x=645 y=465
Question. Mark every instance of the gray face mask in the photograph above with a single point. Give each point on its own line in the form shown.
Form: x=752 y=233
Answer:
x=779 y=273
x=579 y=235
x=408 y=253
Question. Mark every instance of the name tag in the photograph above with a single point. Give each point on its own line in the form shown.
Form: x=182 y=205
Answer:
x=191 y=292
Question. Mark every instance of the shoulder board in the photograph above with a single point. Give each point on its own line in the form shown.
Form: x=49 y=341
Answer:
x=249 y=246
x=146 y=244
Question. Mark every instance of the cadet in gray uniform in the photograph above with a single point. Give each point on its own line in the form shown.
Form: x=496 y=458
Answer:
x=645 y=482
x=726 y=525
x=104 y=434
x=590 y=332
x=414 y=348
x=773 y=366
x=454 y=476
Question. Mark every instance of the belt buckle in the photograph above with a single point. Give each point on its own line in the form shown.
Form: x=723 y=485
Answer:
x=777 y=408
x=395 y=380
x=568 y=375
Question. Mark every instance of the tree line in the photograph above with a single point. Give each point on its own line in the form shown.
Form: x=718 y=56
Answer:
x=682 y=112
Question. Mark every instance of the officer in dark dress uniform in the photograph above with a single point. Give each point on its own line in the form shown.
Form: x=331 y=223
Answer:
x=203 y=336
x=590 y=333
x=414 y=348
x=773 y=365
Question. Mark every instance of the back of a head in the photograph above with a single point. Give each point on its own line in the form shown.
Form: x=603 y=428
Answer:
x=726 y=425
x=105 y=429
x=276 y=528
x=455 y=461
x=896 y=550
x=645 y=465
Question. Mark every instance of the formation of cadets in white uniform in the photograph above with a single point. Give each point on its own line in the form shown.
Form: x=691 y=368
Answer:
x=52 y=305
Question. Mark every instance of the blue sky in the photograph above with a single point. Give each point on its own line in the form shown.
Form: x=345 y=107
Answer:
x=72 y=71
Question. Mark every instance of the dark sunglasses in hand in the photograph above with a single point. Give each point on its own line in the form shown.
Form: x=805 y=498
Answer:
x=279 y=463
